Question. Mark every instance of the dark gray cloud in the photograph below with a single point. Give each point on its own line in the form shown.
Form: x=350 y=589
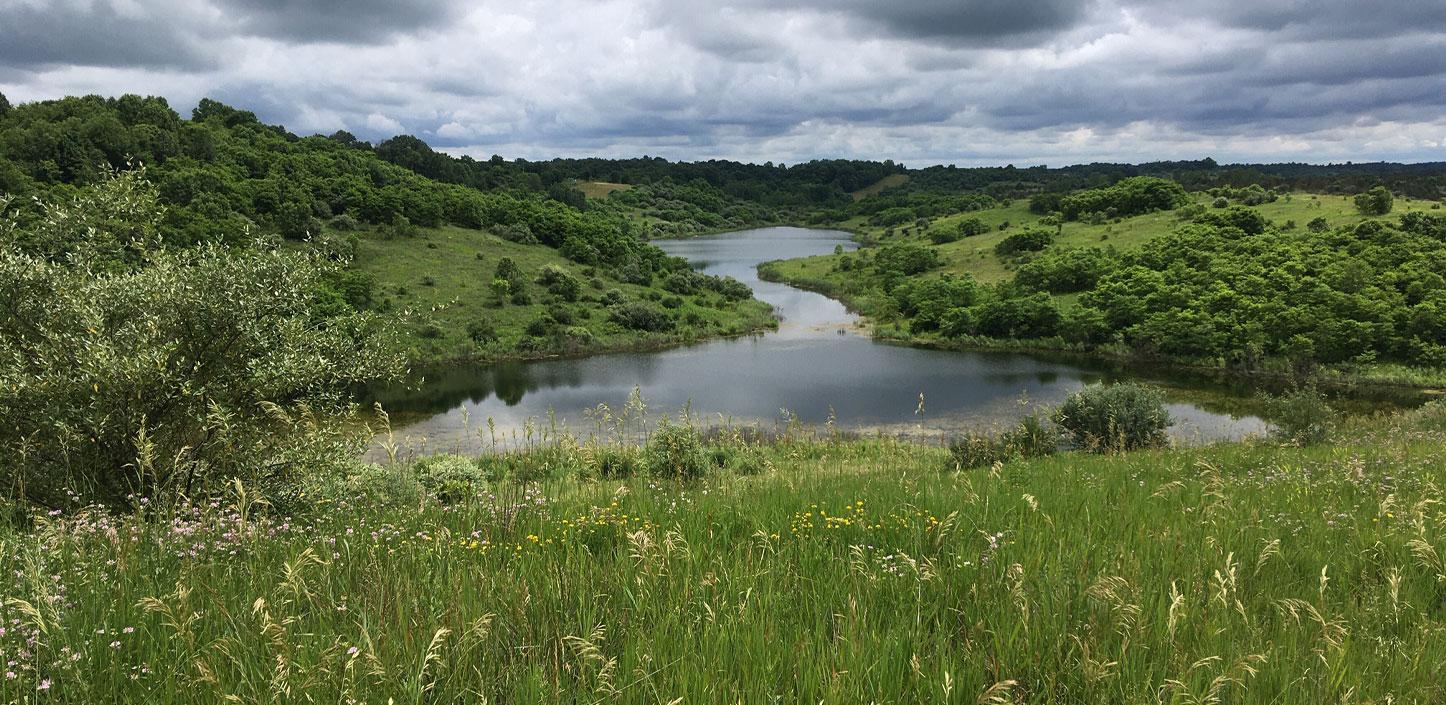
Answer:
x=973 y=21
x=345 y=21
x=1302 y=19
x=67 y=32
x=918 y=80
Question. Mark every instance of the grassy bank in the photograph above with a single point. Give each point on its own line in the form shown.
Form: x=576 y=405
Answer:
x=440 y=280
x=809 y=570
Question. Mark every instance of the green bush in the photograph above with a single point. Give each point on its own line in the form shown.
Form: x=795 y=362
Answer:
x=130 y=369
x=1027 y=241
x=449 y=478
x=1377 y=201
x=636 y=315
x=676 y=452
x=1117 y=417
x=1302 y=417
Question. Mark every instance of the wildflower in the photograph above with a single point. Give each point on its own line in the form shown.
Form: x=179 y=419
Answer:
x=351 y=651
x=44 y=685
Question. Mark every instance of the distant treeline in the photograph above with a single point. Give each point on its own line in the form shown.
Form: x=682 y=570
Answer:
x=69 y=141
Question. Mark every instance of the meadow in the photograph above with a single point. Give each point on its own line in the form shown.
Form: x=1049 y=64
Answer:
x=811 y=568
x=439 y=280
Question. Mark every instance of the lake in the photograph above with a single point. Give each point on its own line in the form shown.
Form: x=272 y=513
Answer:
x=817 y=366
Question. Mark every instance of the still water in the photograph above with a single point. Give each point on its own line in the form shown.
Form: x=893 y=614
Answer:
x=816 y=366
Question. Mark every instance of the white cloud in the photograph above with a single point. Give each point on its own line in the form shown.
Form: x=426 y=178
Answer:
x=919 y=81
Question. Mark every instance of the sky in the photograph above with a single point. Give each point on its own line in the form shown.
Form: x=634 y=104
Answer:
x=967 y=82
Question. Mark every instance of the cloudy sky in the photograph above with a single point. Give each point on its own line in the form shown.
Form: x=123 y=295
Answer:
x=919 y=81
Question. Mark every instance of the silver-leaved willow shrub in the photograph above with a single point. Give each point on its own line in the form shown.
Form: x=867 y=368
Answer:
x=132 y=369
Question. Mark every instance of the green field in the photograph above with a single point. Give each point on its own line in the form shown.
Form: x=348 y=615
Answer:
x=600 y=189
x=810 y=570
x=440 y=281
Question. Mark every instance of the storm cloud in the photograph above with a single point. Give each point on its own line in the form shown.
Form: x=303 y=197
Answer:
x=921 y=81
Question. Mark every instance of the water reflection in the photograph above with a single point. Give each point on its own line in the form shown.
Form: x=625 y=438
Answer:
x=805 y=368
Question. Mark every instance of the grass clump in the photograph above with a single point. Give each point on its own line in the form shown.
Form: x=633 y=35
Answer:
x=1030 y=438
x=675 y=451
x=1116 y=417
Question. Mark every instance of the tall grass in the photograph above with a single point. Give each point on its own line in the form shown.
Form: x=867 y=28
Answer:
x=839 y=572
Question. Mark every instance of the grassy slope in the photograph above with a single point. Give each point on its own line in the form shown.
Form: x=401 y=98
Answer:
x=459 y=293
x=600 y=189
x=878 y=187
x=844 y=573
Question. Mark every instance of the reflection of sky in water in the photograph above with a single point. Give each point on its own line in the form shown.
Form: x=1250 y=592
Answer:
x=808 y=368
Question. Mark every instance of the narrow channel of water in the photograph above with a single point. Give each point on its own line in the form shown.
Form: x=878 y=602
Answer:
x=815 y=367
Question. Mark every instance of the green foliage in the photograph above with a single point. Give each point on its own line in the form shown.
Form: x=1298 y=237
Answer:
x=450 y=479
x=130 y=369
x=1030 y=438
x=1116 y=417
x=559 y=282
x=1032 y=316
x=1025 y=241
x=640 y=315
x=1207 y=291
x=675 y=452
x=1301 y=417
x=1132 y=196
x=1066 y=271
x=905 y=259
x=1377 y=201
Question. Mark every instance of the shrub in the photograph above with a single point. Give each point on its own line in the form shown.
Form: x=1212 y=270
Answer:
x=942 y=237
x=906 y=260
x=637 y=315
x=559 y=282
x=969 y=227
x=449 y=478
x=1117 y=417
x=1027 y=241
x=344 y=223
x=675 y=452
x=132 y=369
x=1377 y=201
x=739 y=458
x=1302 y=417
x=481 y=330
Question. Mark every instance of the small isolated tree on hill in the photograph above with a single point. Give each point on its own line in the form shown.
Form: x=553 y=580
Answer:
x=1377 y=201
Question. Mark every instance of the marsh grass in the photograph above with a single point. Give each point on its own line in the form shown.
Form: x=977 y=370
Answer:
x=841 y=571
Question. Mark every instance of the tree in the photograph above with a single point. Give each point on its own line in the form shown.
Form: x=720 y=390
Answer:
x=129 y=369
x=4 y=105
x=969 y=227
x=1377 y=201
